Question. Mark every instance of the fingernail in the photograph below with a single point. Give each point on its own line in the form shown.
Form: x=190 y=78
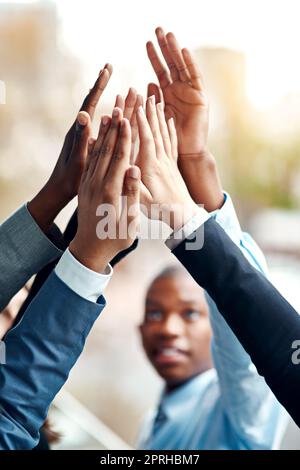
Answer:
x=81 y=122
x=82 y=119
x=141 y=110
x=160 y=106
x=123 y=123
x=91 y=140
x=105 y=120
x=151 y=99
x=115 y=112
x=134 y=172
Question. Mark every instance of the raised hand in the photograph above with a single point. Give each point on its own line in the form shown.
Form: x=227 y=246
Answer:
x=164 y=193
x=106 y=225
x=182 y=90
x=64 y=181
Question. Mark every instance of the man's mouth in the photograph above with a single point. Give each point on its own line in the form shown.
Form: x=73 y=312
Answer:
x=169 y=355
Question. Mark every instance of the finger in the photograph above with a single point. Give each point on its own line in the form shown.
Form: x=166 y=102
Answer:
x=147 y=147
x=161 y=72
x=195 y=74
x=154 y=90
x=146 y=198
x=164 y=129
x=132 y=185
x=134 y=128
x=91 y=100
x=130 y=103
x=154 y=125
x=119 y=103
x=103 y=129
x=82 y=134
x=94 y=154
x=91 y=144
x=109 y=68
x=133 y=122
x=131 y=213
x=173 y=138
x=121 y=157
x=163 y=44
x=176 y=54
x=108 y=147
x=89 y=104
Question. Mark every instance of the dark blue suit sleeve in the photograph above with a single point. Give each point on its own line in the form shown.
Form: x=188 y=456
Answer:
x=40 y=352
x=264 y=322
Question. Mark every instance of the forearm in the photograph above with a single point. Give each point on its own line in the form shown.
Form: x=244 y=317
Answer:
x=43 y=347
x=226 y=345
x=246 y=399
x=260 y=317
x=25 y=249
x=46 y=206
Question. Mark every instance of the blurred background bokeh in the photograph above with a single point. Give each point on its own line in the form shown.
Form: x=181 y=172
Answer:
x=50 y=54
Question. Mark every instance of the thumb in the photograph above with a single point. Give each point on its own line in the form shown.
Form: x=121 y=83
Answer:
x=132 y=185
x=154 y=89
x=82 y=135
x=131 y=190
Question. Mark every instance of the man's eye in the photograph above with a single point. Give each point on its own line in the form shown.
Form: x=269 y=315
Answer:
x=192 y=315
x=154 y=315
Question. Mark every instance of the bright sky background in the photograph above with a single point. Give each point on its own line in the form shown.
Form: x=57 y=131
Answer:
x=267 y=31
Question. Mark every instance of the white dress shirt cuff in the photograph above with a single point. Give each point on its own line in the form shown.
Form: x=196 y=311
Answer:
x=227 y=218
x=87 y=283
x=193 y=224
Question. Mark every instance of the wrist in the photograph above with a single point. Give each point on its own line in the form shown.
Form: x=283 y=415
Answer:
x=91 y=259
x=200 y=174
x=201 y=154
x=180 y=214
x=44 y=207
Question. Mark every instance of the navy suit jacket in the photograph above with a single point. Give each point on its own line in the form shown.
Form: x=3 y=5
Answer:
x=263 y=321
x=40 y=352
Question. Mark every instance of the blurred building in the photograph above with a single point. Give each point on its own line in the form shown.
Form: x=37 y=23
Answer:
x=40 y=79
x=258 y=151
x=224 y=73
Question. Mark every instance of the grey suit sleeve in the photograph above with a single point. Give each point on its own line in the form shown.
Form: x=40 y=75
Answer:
x=24 y=250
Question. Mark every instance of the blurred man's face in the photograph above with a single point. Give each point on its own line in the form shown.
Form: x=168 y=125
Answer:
x=176 y=332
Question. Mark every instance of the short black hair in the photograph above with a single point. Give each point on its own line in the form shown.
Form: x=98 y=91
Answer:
x=172 y=270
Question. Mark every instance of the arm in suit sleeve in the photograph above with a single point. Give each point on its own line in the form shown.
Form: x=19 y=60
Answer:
x=263 y=321
x=42 y=349
x=24 y=250
x=252 y=409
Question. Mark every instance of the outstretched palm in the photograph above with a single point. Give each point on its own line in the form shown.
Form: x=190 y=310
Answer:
x=182 y=89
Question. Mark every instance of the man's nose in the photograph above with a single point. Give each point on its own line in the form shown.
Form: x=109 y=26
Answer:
x=172 y=325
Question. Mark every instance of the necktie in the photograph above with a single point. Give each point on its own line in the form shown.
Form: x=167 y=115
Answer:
x=159 y=421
